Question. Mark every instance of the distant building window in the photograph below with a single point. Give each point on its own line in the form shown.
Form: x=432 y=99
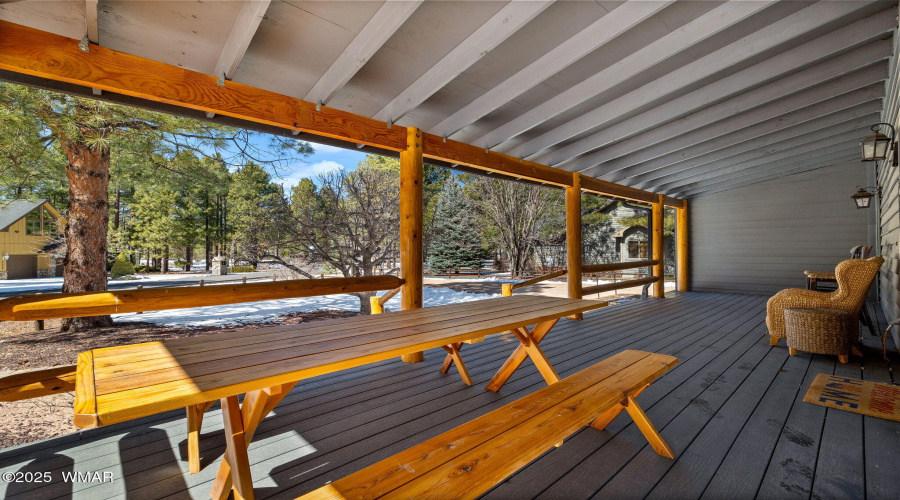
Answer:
x=638 y=250
x=33 y=223
x=50 y=225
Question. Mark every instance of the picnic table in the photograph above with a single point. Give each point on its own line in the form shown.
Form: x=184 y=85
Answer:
x=117 y=384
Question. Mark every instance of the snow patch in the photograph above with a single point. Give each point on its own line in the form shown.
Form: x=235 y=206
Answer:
x=270 y=310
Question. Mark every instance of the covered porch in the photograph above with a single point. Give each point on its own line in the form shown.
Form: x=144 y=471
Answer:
x=731 y=410
x=742 y=117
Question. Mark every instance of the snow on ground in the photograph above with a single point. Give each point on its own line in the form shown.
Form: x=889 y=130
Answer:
x=270 y=310
x=32 y=284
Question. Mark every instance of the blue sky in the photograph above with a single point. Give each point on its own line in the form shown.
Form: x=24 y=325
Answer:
x=325 y=159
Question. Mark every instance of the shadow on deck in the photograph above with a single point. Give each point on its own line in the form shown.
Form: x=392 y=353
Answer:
x=731 y=410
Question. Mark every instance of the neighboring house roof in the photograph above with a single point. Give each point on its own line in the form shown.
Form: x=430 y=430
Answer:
x=14 y=210
x=621 y=232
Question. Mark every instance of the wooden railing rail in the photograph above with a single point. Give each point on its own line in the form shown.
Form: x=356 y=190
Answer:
x=608 y=287
x=594 y=268
x=617 y=266
x=72 y=305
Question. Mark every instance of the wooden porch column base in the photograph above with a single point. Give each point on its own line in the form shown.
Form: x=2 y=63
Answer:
x=416 y=357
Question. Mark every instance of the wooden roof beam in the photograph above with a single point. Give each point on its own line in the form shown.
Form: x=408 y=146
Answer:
x=53 y=57
x=596 y=35
x=832 y=112
x=658 y=51
x=793 y=91
x=761 y=148
x=387 y=20
x=242 y=31
x=767 y=38
x=850 y=159
x=498 y=28
x=779 y=163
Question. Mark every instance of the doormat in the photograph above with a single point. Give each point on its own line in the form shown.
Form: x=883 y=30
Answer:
x=850 y=394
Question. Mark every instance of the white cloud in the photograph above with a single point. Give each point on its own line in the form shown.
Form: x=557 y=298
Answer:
x=306 y=171
x=326 y=149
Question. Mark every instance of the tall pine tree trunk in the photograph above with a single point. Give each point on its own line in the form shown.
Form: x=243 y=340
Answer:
x=85 y=262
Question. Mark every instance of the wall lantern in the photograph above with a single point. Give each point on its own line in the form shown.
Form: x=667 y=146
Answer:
x=877 y=146
x=863 y=197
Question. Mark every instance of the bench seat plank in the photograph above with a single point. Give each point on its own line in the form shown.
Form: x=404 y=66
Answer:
x=470 y=459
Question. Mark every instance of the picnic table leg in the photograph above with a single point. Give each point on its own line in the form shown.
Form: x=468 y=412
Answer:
x=257 y=405
x=518 y=356
x=453 y=356
x=236 y=448
x=194 y=422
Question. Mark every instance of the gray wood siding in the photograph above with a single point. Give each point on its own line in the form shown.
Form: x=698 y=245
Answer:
x=760 y=238
x=889 y=209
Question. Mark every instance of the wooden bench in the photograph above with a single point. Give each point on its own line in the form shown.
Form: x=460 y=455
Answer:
x=469 y=460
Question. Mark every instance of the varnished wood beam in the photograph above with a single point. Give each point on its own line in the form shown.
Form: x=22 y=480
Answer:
x=34 y=52
x=573 y=238
x=681 y=250
x=659 y=287
x=411 y=226
x=45 y=55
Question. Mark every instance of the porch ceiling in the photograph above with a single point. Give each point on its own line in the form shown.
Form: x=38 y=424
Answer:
x=682 y=98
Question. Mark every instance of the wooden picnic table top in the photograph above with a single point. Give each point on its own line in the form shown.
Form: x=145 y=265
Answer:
x=116 y=384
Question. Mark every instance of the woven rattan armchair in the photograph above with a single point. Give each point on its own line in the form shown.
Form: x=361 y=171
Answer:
x=854 y=277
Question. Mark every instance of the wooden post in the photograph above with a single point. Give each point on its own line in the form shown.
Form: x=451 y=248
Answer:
x=39 y=323
x=573 y=238
x=374 y=305
x=681 y=250
x=411 y=210
x=659 y=288
x=506 y=289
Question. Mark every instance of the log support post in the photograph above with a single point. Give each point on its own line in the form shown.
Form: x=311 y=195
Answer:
x=681 y=250
x=573 y=238
x=411 y=226
x=659 y=288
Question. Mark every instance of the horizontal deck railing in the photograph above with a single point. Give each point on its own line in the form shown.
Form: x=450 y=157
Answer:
x=73 y=305
x=43 y=382
x=591 y=269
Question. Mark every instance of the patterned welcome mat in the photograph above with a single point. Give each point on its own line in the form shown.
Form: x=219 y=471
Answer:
x=868 y=398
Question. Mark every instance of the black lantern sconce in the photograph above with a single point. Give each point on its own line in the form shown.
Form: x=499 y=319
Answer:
x=863 y=197
x=877 y=146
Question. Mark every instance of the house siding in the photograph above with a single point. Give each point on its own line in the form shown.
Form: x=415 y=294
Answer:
x=760 y=238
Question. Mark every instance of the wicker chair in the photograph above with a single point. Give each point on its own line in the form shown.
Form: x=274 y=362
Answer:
x=854 y=277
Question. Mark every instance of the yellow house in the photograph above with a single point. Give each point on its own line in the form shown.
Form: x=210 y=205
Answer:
x=28 y=231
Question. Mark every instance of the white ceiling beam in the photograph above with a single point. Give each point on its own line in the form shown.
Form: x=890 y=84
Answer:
x=659 y=124
x=90 y=21
x=767 y=38
x=823 y=147
x=846 y=158
x=369 y=40
x=596 y=35
x=669 y=45
x=781 y=141
x=748 y=128
x=492 y=33
x=837 y=42
x=846 y=134
x=242 y=31
x=807 y=83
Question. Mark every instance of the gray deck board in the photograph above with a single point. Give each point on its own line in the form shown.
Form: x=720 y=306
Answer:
x=731 y=410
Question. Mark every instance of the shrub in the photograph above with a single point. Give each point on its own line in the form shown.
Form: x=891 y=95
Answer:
x=121 y=267
x=242 y=269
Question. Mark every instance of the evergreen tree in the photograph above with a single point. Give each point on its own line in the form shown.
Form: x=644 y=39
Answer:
x=455 y=242
x=256 y=204
x=121 y=267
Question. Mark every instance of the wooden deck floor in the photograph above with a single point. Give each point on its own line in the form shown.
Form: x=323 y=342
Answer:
x=731 y=410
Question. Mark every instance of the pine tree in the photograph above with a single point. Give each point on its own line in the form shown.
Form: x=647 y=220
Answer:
x=456 y=243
